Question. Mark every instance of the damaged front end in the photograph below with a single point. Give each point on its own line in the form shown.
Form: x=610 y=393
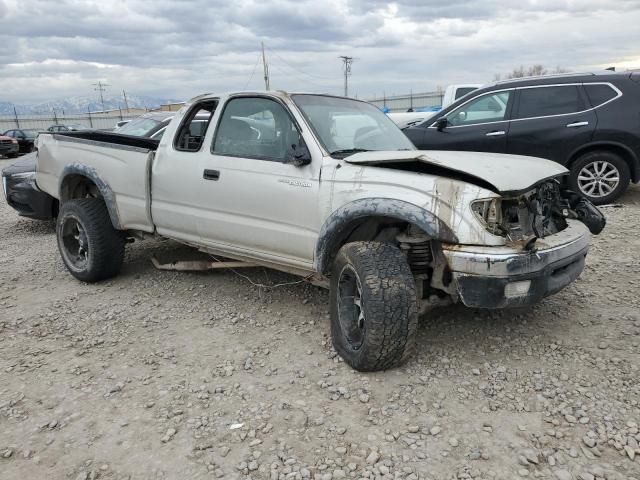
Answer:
x=546 y=231
x=537 y=213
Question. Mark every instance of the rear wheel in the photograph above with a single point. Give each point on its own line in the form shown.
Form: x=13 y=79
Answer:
x=600 y=176
x=373 y=306
x=90 y=247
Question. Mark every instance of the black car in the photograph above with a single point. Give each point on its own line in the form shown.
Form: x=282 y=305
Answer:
x=8 y=146
x=588 y=122
x=21 y=192
x=25 y=138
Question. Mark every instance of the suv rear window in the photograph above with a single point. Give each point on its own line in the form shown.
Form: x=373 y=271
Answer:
x=545 y=101
x=599 y=93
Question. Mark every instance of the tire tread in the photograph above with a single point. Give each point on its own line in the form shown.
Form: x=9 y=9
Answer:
x=390 y=306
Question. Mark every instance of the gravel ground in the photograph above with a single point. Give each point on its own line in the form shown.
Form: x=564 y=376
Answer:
x=166 y=375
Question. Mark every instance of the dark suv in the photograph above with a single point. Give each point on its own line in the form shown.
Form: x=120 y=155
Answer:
x=588 y=122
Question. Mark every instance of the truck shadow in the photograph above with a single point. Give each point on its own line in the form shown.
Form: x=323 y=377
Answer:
x=28 y=226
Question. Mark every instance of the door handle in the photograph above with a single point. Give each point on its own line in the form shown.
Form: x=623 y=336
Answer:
x=496 y=133
x=577 y=124
x=211 y=175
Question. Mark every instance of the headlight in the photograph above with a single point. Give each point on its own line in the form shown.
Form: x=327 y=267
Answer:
x=13 y=140
x=489 y=212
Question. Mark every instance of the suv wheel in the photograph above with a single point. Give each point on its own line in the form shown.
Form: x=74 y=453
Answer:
x=90 y=247
x=374 y=313
x=600 y=176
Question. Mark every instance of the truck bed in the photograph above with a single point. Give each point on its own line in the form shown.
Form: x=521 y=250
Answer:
x=118 y=165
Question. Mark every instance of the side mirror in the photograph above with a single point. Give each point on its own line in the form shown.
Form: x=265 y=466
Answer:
x=298 y=155
x=441 y=123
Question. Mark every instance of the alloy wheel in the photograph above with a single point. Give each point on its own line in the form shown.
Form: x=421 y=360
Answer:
x=598 y=179
x=75 y=243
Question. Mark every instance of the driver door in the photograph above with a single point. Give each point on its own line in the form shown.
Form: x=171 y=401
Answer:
x=480 y=125
x=258 y=203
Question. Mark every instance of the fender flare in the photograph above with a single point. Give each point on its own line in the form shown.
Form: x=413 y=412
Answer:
x=334 y=229
x=107 y=194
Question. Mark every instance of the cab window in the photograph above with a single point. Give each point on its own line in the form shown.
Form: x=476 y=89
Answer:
x=193 y=128
x=256 y=127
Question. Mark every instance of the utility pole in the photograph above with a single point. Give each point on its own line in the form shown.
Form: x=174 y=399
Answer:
x=265 y=68
x=100 y=87
x=347 y=72
x=15 y=112
x=126 y=103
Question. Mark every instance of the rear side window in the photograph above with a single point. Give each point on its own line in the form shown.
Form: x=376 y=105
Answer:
x=193 y=128
x=599 y=94
x=546 y=101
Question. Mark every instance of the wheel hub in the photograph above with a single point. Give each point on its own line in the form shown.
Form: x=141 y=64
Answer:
x=350 y=307
x=75 y=243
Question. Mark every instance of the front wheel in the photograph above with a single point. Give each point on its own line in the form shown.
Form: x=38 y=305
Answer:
x=91 y=249
x=602 y=177
x=374 y=313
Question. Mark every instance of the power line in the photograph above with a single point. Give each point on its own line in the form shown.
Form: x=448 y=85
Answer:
x=319 y=77
x=252 y=72
x=291 y=71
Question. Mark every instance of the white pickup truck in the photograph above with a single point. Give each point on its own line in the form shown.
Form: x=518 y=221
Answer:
x=330 y=189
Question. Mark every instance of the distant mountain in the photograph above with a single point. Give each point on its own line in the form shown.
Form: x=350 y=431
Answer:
x=82 y=104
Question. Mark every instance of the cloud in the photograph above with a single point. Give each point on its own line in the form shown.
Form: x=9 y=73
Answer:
x=179 y=48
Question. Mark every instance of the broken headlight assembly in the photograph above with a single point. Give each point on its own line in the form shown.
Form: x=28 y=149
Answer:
x=489 y=212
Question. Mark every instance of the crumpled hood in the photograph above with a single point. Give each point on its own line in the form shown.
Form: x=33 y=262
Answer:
x=506 y=173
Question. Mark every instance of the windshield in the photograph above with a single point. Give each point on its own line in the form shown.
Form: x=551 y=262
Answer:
x=31 y=133
x=346 y=126
x=139 y=127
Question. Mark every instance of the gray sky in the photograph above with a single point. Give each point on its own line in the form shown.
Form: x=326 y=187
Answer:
x=181 y=48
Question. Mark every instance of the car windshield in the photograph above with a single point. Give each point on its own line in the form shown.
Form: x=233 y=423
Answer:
x=346 y=126
x=139 y=127
x=31 y=133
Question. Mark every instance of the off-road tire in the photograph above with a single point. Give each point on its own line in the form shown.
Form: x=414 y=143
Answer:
x=105 y=252
x=600 y=156
x=388 y=302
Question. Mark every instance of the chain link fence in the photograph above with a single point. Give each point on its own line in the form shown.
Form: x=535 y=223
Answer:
x=402 y=103
x=98 y=121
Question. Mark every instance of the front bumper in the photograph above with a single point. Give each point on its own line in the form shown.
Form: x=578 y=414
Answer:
x=485 y=276
x=23 y=196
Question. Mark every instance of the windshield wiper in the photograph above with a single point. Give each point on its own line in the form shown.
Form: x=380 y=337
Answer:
x=348 y=151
